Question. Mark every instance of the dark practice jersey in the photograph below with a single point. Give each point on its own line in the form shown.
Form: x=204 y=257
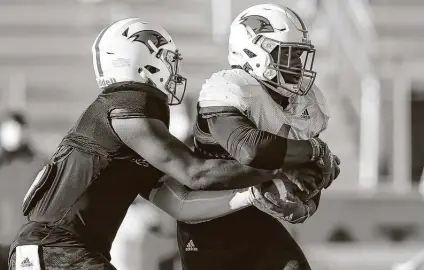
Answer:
x=96 y=176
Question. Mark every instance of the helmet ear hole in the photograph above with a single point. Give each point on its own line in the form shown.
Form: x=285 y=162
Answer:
x=151 y=69
x=249 y=53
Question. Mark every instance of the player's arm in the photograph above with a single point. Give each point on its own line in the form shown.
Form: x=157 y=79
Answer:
x=151 y=139
x=197 y=206
x=264 y=150
x=257 y=148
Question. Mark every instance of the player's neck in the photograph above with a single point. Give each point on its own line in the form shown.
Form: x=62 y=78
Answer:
x=281 y=100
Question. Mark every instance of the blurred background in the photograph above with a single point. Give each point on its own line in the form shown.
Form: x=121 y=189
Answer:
x=370 y=64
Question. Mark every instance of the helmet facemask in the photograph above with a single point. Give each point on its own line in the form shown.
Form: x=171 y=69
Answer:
x=289 y=65
x=176 y=84
x=271 y=42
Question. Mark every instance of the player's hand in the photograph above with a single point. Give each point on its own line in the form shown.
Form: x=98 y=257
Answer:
x=285 y=206
x=326 y=161
x=304 y=178
x=298 y=210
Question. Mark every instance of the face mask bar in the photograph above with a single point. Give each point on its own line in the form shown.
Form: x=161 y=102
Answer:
x=278 y=67
x=176 y=84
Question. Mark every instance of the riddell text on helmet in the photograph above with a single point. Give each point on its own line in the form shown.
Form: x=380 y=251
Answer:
x=106 y=82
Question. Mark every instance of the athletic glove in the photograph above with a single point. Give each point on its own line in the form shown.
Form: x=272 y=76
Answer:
x=277 y=199
x=326 y=161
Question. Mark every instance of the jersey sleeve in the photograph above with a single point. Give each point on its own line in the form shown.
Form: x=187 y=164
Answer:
x=143 y=103
x=321 y=103
x=247 y=144
x=196 y=206
x=223 y=93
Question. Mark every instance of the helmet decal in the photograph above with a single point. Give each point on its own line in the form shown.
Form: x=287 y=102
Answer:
x=145 y=35
x=96 y=48
x=258 y=24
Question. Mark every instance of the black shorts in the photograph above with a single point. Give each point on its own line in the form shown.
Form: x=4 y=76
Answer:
x=4 y=254
x=65 y=258
x=247 y=255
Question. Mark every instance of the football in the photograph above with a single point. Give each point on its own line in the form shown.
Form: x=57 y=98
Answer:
x=279 y=187
x=282 y=186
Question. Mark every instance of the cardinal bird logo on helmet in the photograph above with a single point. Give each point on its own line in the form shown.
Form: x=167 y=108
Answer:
x=257 y=23
x=145 y=35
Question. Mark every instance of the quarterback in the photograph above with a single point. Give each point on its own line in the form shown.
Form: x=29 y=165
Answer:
x=119 y=148
x=246 y=113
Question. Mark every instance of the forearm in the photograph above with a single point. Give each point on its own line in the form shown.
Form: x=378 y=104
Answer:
x=257 y=148
x=220 y=174
x=151 y=139
x=263 y=150
x=197 y=206
x=297 y=152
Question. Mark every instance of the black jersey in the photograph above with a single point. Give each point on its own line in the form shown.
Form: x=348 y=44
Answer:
x=93 y=176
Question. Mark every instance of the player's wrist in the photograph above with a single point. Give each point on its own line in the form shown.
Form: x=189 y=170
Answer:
x=317 y=149
x=242 y=199
x=298 y=152
x=250 y=195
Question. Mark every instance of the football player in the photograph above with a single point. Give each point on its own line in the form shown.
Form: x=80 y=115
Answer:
x=118 y=148
x=246 y=113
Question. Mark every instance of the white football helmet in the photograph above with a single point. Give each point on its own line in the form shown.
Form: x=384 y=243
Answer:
x=271 y=43
x=135 y=50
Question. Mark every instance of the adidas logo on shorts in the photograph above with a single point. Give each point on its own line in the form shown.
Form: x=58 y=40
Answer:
x=191 y=246
x=26 y=263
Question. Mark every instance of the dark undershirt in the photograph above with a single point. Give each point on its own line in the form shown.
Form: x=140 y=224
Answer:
x=250 y=146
